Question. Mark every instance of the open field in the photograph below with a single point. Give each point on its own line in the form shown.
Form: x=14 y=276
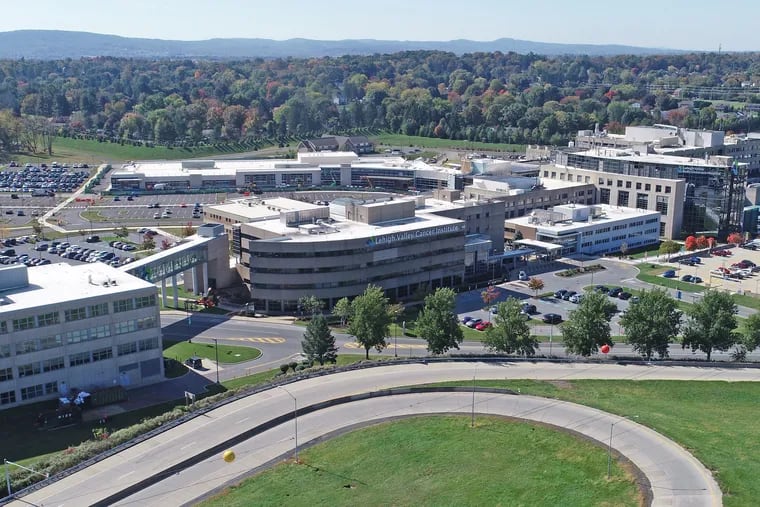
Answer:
x=442 y=461
x=430 y=142
x=716 y=421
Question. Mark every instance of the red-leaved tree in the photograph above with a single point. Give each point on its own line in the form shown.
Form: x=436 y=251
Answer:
x=735 y=238
x=702 y=242
x=690 y=243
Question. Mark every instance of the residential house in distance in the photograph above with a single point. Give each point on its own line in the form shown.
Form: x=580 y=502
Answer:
x=319 y=144
x=361 y=145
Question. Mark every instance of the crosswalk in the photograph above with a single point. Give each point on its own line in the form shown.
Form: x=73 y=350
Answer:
x=259 y=339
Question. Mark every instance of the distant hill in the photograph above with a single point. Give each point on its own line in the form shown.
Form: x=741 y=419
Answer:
x=55 y=44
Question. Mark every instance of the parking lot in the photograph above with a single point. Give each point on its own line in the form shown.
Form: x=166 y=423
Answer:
x=709 y=266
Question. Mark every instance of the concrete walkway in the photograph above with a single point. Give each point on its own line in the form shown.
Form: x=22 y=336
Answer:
x=677 y=477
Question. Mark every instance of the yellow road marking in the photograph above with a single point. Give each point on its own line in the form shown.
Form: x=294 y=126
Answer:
x=259 y=339
x=354 y=345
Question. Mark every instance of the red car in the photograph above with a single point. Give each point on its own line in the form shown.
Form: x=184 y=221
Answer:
x=722 y=253
x=483 y=326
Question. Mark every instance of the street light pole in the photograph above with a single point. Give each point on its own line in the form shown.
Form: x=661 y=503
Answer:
x=551 y=335
x=609 y=446
x=295 y=419
x=8 y=475
x=216 y=353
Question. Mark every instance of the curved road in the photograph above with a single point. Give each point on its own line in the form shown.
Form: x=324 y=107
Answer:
x=676 y=477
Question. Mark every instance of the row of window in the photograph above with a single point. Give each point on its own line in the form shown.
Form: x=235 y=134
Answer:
x=75 y=314
x=79 y=336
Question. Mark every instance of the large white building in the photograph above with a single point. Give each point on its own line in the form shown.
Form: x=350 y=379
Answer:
x=65 y=327
x=588 y=230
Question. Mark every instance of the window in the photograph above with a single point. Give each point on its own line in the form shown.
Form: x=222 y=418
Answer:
x=642 y=201
x=123 y=305
x=148 y=301
x=3 y=327
x=5 y=350
x=627 y=184
x=51 y=388
x=27 y=370
x=146 y=323
x=126 y=327
x=6 y=374
x=638 y=185
x=75 y=314
x=77 y=359
x=667 y=190
x=51 y=342
x=23 y=323
x=662 y=205
x=102 y=354
x=53 y=364
x=48 y=319
x=620 y=183
x=647 y=187
x=76 y=336
x=7 y=397
x=604 y=195
x=622 y=198
x=27 y=347
x=27 y=393
x=98 y=310
x=125 y=349
x=658 y=188
x=148 y=344
x=100 y=332
x=609 y=183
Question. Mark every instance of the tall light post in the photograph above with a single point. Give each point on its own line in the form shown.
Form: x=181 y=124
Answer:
x=8 y=475
x=551 y=335
x=295 y=419
x=609 y=446
x=216 y=354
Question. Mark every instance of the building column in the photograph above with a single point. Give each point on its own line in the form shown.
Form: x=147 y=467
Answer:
x=163 y=291
x=204 y=278
x=195 y=279
x=176 y=292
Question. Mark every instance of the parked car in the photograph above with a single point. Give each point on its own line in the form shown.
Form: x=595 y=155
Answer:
x=92 y=239
x=576 y=298
x=466 y=319
x=552 y=318
x=615 y=292
x=696 y=279
x=483 y=326
x=687 y=278
x=41 y=247
x=634 y=300
x=625 y=296
x=568 y=295
x=529 y=308
x=601 y=288
x=560 y=293
x=522 y=276
x=669 y=274
x=473 y=322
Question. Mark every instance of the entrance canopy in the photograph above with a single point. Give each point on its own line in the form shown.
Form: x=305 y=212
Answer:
x=539 y=245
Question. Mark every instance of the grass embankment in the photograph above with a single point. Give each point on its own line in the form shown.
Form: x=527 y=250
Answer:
x=716 y=421
x=436 y=143
x=442 y=461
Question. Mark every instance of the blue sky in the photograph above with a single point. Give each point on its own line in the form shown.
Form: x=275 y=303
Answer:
x=678 y=24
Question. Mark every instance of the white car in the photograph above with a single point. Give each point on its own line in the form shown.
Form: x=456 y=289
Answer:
x=523 y=276
x=576 y=298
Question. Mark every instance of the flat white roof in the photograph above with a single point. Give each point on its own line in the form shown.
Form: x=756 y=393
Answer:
x=538 y=244
x=654 y=158
x=341 y=229
x=257 y=209
x=611 y=214
x=61 y=283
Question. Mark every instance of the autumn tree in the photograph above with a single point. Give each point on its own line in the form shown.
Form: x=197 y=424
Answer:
x=489 y=295
x=735 y=238
x=535 y=284
x=690 y=243
x=187 y=230
x=438 y=324
x=702 y=242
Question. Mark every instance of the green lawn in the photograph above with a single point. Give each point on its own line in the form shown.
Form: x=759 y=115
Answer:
x=227 y=353
x=438 y=461
x=652 y=273
x=716 y=421
x=433 y=142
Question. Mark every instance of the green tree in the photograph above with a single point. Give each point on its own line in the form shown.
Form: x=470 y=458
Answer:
x=121 y=232
x=669 y=247
x=318 y=342
x=588 y=327
x=310 y=304
x=342 y=309
x=510 y=333
x=712 y=323
x=370 y=321
x=438 y=323
x=750 y=339
x=652 y=323
x=37 y=227
x=148 y=242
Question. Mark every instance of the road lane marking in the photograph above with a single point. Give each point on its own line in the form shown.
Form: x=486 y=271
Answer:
x=258 y=339
x=182 y=448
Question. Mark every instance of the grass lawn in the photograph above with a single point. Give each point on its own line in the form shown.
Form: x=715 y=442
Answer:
x=442 y=461
x=432 y=142
x=716 y=421
x=652 y=273
x=227 y=353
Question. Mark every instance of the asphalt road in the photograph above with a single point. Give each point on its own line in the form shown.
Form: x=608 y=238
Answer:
x=677 y=478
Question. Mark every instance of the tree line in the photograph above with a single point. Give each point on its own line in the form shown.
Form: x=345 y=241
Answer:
x=491 y=97
x=651 y=325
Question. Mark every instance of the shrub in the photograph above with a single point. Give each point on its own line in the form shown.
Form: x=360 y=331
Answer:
x=293 y=365
x=284 y=368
